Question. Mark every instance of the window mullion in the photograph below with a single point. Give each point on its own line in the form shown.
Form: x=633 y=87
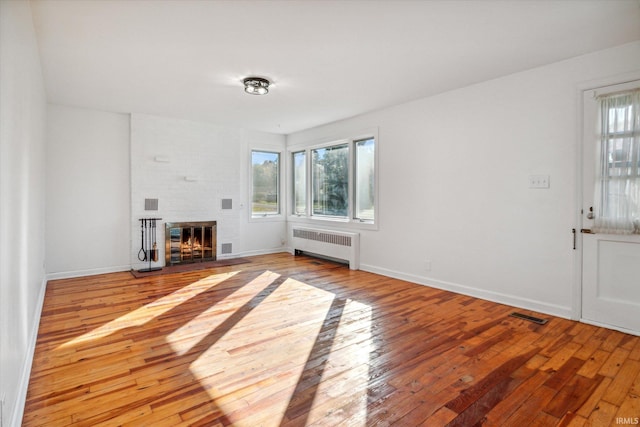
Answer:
x=308 y=183
x=351 y=181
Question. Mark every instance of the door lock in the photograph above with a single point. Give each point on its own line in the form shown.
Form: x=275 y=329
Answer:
x=590 y=215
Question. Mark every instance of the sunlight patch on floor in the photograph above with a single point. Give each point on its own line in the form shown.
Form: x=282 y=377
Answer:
x=273 y=359
x=264 y=354
x=191 y=333
x=150 y=311
x=346 y=374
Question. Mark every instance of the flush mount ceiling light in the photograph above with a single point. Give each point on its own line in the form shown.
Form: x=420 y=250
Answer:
x=256 y=85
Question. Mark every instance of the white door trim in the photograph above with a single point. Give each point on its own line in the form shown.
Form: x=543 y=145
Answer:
x=576 y=304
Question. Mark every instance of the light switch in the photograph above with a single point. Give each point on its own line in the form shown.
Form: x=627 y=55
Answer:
x=538 y=181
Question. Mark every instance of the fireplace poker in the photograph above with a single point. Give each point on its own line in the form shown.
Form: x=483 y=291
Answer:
x=142 y=253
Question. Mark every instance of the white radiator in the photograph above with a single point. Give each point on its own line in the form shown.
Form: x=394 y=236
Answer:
x=335 y=244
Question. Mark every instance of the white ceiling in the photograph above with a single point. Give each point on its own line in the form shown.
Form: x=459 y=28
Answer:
x=329 y=60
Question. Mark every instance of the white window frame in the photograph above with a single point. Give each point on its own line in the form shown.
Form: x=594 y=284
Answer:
x=282 y=205
x=349 y=221
x=291 y=180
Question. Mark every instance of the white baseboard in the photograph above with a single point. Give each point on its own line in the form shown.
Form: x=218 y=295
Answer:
x=21 y=398
x=121 y=268
x=252 y=253
x=512 y=300
x=89 y=272
x=614 y=327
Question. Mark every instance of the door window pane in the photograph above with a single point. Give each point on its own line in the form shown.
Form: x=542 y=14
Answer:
x=617 y=197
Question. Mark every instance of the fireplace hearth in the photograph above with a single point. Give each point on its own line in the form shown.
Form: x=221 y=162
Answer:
x=187 y=242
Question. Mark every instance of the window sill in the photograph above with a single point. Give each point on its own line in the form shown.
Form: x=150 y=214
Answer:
x=341 y=223
x=267 y=218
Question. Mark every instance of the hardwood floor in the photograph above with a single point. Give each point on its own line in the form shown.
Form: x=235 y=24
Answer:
x=295 y=341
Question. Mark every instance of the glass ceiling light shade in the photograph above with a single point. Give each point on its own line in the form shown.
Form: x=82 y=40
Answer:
x=256 y=85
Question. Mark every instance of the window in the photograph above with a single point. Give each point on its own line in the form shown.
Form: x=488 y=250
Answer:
x=618 y=175
x=330 y=181
x=336 y=181
x=365 y=179
x=300 y=183
x=265 y=176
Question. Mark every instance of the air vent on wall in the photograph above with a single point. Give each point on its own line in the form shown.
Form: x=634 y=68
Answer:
x=150 y=204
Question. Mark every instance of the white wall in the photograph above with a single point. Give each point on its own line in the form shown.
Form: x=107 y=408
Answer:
x=216 y=159
x=87 y=192
x=454 y=190
x=22 y=202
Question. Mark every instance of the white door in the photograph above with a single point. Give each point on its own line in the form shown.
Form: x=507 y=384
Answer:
x=610 y=262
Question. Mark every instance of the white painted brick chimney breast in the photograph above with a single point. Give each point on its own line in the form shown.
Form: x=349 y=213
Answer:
x=190 y=167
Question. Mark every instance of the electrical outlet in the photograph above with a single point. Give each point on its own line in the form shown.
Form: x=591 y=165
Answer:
x=427 y=265
x=538 y=181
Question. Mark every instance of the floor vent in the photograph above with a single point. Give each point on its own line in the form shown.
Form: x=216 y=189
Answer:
x=533 y=319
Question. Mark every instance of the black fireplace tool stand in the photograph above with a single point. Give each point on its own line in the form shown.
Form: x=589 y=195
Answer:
x=148 y=246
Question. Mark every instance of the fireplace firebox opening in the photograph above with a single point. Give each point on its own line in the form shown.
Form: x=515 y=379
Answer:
x=190 y=242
